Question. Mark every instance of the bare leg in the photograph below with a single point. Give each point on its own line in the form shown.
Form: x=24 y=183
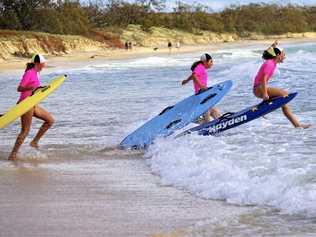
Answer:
x=215 y=113
x=26 y=122
x=275 y=92
x=207 y=117
x=48 y=119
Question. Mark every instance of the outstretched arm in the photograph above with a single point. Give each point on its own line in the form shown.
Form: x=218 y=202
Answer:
x=187 y=80
x=195 y=79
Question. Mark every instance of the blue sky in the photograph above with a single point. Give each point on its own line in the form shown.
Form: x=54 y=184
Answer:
x=218 y=5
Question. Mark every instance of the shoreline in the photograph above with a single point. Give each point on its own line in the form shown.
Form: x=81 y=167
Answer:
x=77 y=58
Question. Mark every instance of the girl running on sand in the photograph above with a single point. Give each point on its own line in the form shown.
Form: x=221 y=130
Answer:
x=30 y=82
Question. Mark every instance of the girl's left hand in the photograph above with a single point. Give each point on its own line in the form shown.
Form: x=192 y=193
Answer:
x=39 y=88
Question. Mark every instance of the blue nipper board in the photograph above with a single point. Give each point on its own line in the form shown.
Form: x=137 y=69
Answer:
x=176 y=116
x=230 y=120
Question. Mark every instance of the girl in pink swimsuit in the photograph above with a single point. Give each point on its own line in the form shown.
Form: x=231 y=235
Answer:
x=273 y=56
x=30 y=81
x=200 y=78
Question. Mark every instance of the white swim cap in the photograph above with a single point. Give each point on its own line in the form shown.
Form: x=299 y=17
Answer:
x=38 y=58
x=205 y=57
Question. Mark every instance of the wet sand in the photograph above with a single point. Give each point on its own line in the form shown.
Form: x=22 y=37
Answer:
x=97 y=196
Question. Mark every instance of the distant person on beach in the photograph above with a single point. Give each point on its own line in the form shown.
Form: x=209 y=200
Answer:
x=29 y=83
x=126 y=45
x=169 y=46
x=130 y=45
x=178 y=45
x=200 y=79
x=272 y=56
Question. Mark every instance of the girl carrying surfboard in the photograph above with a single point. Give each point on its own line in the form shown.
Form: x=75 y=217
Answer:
x=30 y=82
x=200 y=78
x=272 y=56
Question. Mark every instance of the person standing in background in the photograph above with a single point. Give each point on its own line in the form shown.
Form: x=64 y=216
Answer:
x=169 y=46
x=178 y=45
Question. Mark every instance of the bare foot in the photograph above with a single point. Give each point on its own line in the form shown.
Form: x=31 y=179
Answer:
x=305 y=126
x=12 y=156
x=34 y=145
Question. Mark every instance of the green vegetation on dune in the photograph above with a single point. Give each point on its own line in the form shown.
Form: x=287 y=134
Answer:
x=70 y=26
x=71 y=17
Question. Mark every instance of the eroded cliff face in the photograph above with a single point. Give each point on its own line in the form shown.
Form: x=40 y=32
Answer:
x=159 y=37
x=25 y=44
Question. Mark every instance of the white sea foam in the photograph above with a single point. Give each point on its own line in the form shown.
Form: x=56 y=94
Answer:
x=252 y=166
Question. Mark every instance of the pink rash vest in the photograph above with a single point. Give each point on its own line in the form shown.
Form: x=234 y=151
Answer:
x=267 y=68
x=201 y=73
x=29 y=79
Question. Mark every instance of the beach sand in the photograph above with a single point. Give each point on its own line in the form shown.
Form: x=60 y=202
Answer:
x=99 y=195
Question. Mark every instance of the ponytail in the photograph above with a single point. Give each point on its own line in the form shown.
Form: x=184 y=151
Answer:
x=29 y=66
x=195 y=64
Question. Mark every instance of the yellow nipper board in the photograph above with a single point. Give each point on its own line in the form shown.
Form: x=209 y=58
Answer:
x=24 y=106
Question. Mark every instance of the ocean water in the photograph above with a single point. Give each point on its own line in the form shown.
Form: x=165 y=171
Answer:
x=265 y=164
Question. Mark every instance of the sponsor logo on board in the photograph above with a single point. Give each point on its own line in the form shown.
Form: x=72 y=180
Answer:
x=228 y=123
